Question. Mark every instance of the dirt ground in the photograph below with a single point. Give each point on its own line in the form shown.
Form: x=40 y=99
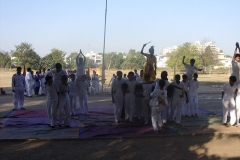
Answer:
x=212 y=145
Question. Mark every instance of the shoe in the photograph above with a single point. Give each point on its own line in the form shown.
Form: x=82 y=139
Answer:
x=23 y=108
x=14 y=109
x=225 y=124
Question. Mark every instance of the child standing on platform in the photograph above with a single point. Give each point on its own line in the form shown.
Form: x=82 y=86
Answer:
x=72 y=94
x=83 y=89
x=52 y=99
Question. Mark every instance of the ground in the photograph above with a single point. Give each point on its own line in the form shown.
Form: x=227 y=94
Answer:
x=199 y=138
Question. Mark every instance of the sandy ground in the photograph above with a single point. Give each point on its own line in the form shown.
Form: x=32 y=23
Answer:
x=212 y=145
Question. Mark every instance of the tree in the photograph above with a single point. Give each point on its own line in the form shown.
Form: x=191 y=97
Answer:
x=118 y=60
x=5 y=59
x=134 y=60
x=71 y=61
x=108 y=60
x=56 y=56
x=25 y=55
x=188 y=50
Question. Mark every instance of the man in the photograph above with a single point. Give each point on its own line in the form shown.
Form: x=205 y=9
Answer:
x=18 y=87
x=57 y=73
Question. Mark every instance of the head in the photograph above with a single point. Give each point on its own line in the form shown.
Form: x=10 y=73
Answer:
x=29 y=69
x=147 y=77
x=124 y=75
x=58 y=67
x=72 y=76
x=192 y=61
x=119 y=74
x=130 y=76
x=94 y=72
x=84 y=77
x=195 y=76
x=232 y=80
x=151 y=50
x=135 y=71
x=237 y=57
x=162 y=83
x=48 y=80
x=164 y=75
x=177 y=77
x=64 y=79
x=184 y=78
x=37 y=72
x=80 y=59
x=141 y=73
x=87 y=73
x=19 y=70
x=44 y=69
x=48 y=70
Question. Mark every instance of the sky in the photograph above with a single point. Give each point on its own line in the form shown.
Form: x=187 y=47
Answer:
x=71 y=25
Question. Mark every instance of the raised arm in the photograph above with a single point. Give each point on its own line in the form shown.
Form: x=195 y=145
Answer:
x=143 y=49
x=183 y=60
x=77 y=57
x=235 y=52
x=84 y=58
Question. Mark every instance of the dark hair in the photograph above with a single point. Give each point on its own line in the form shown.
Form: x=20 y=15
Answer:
x=177 y=76
x=146 y=76
x=58 y=65
x=47 y=78
x=195 y=74
x=164 y=75
x=28 y=69
x=72 y=75
x=119 y=72
x=19 y=68
x=192 y=60
x=237 y=55
x=184 y=76
x=130 y=73
x=64 y=77
x=233 y=78
x=162 y=83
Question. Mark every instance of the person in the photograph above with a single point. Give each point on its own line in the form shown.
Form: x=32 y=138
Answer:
x=72 y=94
x=63 y=102
x=117 y=96
x=113 y=77
x=190 y=68
x=125 y=77
x=88 y=78
x=57 y=73
x=42 y=77
x=18 y=88
x=193 y=95
x=148 y=87
x=185 y=106
x=52 y=100
x=151 y=65
x=28 y=79
x=177 y=99
x=83 y=89
x=36 y=84
x=129 y=97
x=139 y=78
x=236 y=63
x=95 y=80
x=157 y=103
x=138 y=101
x=135 y=73
x=80 y=61
x=228 y=100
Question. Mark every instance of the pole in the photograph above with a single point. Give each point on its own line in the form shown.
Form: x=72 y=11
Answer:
x=103 y=66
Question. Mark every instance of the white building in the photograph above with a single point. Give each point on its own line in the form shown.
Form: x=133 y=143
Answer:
x=161 y=61
x=169 y=50
x=95 y=57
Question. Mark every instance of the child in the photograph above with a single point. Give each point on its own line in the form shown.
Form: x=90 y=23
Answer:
x=43 y=75
x=193 y=95
x=139 y=96
x=185 y=105
x=83 y=89
x=157 y=103
x=18 y=87
x=94 y=82
x=52 y=99
x=117 y=96
x=80 y=61
x=72 y=94
x=63 y=102
x=228 y=101
x=129 y=98
x=36 y=84
x=28 y=79
x=177 y=99
x=236 y=62
x=148 y=87
x=190 y=68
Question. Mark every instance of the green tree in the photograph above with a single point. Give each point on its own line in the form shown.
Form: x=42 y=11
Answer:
x=118 y=60
x=134 y=60
x=108 y=60
x=5 y=59
x=71 y=61
x=25 y=55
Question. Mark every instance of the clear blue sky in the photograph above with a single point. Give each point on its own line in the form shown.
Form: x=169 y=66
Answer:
x=69 y=25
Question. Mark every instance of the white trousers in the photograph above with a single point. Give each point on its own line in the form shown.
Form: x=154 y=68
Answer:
x=193 y=104
x=43 y=89
x=18 y=99
x=229 y=106
x=129 y=104
x=165 y=111
x=118 y=107
x=176 y=105
x=64 y=108
x=146 y=109
x=29 y=88
x=237 y=109
x=83 y=102
x=52 y=110
x=185 y=107
x=72 y=99
x=156 y=117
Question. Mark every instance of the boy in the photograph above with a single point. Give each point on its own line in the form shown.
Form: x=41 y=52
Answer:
x=43 y=75
x=83 y=89
x=185 y=105
x=228 y=100
x=157 y=103
x=129 y=100
x=28 y=80
x=72 y=94
x=193 y=95
x=117 y=96
x=190 y=68
x=80 y=61
x=18 y=87
x=57 y=73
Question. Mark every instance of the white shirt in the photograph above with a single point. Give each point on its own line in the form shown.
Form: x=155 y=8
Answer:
x=18 y=81
x=157 y=83
x=193 y=87
x=28 y=77
x=190 y=70
x=236 y=69
x=147 y=89
x=43 y=76
x=177 y=92
x=228 y=91
x=117 y=86
x=139 y=79
x=73 y=88
x=52 y=92
x=80 y=69
x=131 y=85
x=158 y=93
x=63 y=92
x=57 y=77
x=82 y=87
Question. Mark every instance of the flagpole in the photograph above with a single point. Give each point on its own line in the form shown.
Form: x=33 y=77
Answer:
x=103 y=66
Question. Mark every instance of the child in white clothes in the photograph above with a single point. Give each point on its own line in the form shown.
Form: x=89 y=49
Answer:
x=83 y=89
x=63 y=102
x=228 y=100
x=185 y=105
x=157 y=103
x=193 y=95
x=190 y=68
x=80 y=61
x=52 y=99
x=72 y=94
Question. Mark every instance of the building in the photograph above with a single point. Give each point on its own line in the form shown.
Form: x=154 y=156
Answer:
x=95 y=57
